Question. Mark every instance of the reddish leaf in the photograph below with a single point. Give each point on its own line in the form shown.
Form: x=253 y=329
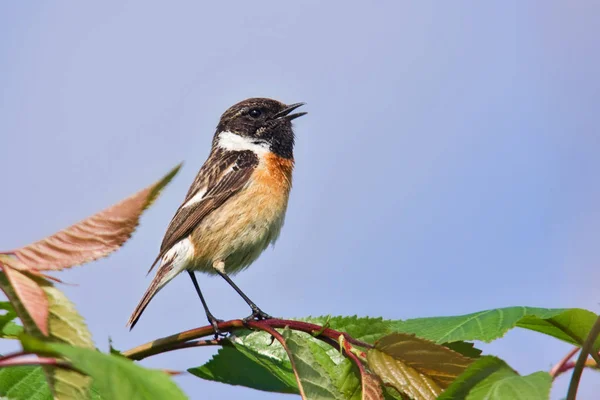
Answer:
x=370 y=383
x=416 y=367
x=31 y=295
x=371 y=386
x=94 y=237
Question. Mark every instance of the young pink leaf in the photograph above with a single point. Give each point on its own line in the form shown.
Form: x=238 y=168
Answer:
x=94 y=237
x=31 y=295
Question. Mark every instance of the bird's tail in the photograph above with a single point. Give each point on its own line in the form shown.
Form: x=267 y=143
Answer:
x=172 y=263
x=164 y=274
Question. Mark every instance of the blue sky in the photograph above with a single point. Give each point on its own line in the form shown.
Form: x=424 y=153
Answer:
x=448 y=163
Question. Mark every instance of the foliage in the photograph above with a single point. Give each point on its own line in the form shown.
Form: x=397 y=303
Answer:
x=342 y=357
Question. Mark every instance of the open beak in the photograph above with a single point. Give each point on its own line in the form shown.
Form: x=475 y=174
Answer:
x=285 y=113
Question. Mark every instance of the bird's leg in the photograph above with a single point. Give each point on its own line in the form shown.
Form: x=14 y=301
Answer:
x=211 y=319
x=257 y=313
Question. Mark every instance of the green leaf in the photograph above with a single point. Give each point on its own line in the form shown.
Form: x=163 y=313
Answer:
x=64 y=325
x=29 y=383
x=24 y=383
x=569 y=325
x=366 y=329
x=465 y=348
x=490 y=378
x=114 y=377
x=255 y=361
x=67 y=326
x=240 y=365
x=312 y=370
x=112 y=350
x=9 y=329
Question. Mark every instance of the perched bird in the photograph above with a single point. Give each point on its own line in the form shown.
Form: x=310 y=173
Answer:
x=236 y=205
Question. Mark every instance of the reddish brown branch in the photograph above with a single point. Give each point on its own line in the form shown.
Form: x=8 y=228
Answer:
x=13 y=355
x=180 y=340
x=19 y=362
x=196 y=343
x=589 y=363
x=311 y=329
x=354 y=358
x=560 y=366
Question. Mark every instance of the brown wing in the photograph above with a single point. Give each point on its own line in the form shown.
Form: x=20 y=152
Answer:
x=222 y=175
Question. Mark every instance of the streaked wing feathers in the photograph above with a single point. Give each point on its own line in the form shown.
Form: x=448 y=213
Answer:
x=222 y=175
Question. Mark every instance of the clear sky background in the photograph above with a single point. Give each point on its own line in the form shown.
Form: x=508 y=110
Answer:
x=449 y=162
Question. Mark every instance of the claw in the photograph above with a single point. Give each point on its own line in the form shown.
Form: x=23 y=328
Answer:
x=257 y=315
x=215 y=324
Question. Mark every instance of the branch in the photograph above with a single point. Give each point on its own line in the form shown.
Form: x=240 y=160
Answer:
x=182 y=339
x=560 y=366
x=587 y=348
x=589 y=363
x=281 y=340
x=197 y=343
x=14 y=355
x=17 y=361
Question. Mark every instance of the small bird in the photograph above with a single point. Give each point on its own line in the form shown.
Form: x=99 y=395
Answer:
x=236 y=205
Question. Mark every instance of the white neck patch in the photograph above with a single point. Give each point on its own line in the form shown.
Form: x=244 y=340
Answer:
x=234 y=142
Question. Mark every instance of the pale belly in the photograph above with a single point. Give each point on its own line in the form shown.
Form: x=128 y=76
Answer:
x=241 y=229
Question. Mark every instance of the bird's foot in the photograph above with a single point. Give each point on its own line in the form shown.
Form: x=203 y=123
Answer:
x=257 y=315
x=215 y=325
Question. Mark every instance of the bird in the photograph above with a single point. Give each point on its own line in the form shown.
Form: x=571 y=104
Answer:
x=236 y=205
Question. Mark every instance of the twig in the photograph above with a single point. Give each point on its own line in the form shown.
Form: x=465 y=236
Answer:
x=589 y=363
x=13 y=355
x=197 y=343
x=559 y=367
x=179 y=339
x=13 y=362
x=164 y=344
x=586 y=349
x=354 y=358
x=281 y=340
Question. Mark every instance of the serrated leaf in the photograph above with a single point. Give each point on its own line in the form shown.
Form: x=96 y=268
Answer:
x=114 y=377
x=65 y=325
x=239 y=365
x=24 y=383
x=255 y=361
x=9 y=329
x=29 y=383
x=369 y=329
x=44 y=310
x=256 y=351
x=366 y=329
x=95 y=237
x=371 y=387
x=490 y=378
x=29 y=294
x=417 y=367
x=316 y=382
x=569 y=325
x=467 y=349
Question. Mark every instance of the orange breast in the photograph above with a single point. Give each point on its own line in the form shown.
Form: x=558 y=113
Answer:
x=275 y=172
x=248 y=222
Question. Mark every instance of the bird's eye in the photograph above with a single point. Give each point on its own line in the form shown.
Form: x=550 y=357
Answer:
x=255 y=113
